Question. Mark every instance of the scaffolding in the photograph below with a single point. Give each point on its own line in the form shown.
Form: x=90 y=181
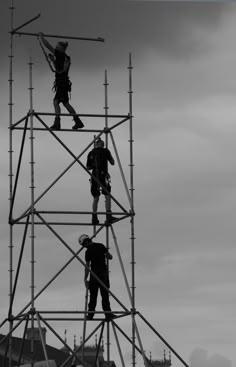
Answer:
x=30 y=217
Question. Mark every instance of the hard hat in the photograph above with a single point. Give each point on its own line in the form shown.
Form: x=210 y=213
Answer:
x=82 y=238
x=99 y=142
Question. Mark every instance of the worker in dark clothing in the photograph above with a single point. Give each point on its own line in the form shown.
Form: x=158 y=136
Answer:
x=62 y=84
x=96 y=257
x=97 y=161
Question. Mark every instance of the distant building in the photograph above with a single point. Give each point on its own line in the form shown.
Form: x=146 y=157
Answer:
x=40 y=364
x=165 y=362
x=21 y=351
x=160 y=363
x=92 y=356
x=89 y=356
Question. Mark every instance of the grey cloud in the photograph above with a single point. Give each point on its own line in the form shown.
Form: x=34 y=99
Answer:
x=126 y=26
x=169 y=28
x=200 y=358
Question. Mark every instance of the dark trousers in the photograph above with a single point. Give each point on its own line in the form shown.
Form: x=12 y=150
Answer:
x=103 y=178
x=94 y=286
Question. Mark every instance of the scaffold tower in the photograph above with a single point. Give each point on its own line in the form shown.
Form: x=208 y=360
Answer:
x=35 y=214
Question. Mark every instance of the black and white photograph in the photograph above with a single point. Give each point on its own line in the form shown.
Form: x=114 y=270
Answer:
x=118 y=183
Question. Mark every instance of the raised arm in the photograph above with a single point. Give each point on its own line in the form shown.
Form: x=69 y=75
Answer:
x=46 y=43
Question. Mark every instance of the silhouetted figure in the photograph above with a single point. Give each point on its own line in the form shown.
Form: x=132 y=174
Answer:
x=97 y=161
x=96 y=257
x=62 y=84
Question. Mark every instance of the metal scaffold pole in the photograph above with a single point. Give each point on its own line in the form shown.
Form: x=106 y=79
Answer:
x=106 y=109
x=132 y=237
x=32 y=210
x=10 y=173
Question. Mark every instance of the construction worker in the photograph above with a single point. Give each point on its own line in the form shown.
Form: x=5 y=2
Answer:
x=97 y=161
x=96 y=257
x=62 y=84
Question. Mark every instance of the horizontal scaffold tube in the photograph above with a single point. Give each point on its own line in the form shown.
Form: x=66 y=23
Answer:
x=98 y=39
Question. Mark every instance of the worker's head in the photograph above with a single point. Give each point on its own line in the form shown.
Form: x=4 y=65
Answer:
x=99 y=143
x=84 y=240
x=61 y=46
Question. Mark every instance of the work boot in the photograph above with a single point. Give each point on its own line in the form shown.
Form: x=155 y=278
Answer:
x=78 y=123
x=110 y=219
x=57 y=124
x=95 y=219
x=89 y=316
x=109 y=316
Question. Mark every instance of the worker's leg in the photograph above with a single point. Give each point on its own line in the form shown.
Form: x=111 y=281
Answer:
x=108 y=203
x=107 y=188
x=57 y=121
x=105 y=295
x=110 y=218
x=93 y=288
x=95 y=191
x=95 y=208
x=57 y=107
x=78 y=123
x=95 y=204
x=105 y=299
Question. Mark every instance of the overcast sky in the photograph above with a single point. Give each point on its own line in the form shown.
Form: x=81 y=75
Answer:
x=184 y=109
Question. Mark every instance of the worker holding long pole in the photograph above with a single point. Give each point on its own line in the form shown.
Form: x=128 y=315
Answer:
x=62 y=85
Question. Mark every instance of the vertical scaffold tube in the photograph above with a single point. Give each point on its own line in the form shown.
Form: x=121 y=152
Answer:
x=10 y=174
x=132 y=206
x=106 y=108
x=32 y=210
